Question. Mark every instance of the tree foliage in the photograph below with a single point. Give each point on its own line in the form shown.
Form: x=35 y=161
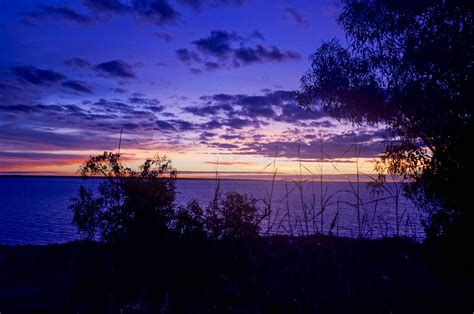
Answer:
x=128 y=203
x=139 y=206
x=407 y=65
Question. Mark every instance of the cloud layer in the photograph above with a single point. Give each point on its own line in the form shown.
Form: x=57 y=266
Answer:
x=223 y=49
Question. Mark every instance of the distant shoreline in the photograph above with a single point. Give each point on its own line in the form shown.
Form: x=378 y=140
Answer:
x=179 y=178
x=95 y=177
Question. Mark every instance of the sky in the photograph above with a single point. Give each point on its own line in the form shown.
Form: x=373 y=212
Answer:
x=210 y=84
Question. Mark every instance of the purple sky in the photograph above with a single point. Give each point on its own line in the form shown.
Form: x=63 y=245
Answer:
x=200 y=81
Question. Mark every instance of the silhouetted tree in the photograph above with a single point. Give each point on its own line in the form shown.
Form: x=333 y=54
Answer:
x=407 y=65
x=189 y=221
x=128 y=204
x=235 y=216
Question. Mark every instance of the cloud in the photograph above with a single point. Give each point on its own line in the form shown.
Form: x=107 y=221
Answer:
x=223 y=145
x=260 y=54
x=257 y=35
x=194 y=4
x=238 y=123
x=113 y=6
x=42 y=80
x=58 y=13
x=78 y=63
x=14 y=92
x=78 y=86
x=223 y=49
x=156 y=11
x=278 y=106
x=164 y=36
x=295 y=15
x=159 y=12
x=229 y=163
x=210 y=66
x=44 y=77
x=19 y=137
x=335 y=146
x=198 y=5
x=115 y=68
x=217 y=43
x=37 y=76
x=187 y=56
x=28 y=159
x=119 y=90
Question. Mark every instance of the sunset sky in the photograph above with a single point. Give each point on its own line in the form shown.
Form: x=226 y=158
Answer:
x=203 y=82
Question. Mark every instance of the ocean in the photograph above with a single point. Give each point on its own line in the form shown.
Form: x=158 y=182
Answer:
x=34 y=210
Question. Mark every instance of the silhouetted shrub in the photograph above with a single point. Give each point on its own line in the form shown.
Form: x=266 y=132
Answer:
x=235 y=216
x=139 y=205
x=189 y=221
x=128 y=204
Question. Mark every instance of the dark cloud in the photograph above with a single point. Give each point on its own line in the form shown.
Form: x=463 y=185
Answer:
x=203 y=111
x=18 y=108
x=77 y=86
x=13 y=92
x=277 y=105
x=58 y=13
x=206 y=135
x=138 y=99
x=165 y=126
x=116 y=68
x=37 y=76
x=291 y=113
x=238 y=123
x=257 y=35
x=218 y=43
x=164 y=36
x=78 y=63
x=194 y=4
x=112 y=106
x=212 y=125
x=119 y=90
x=187 y=56
x=113 y=6
x=232 y=137
x=168 y=114
x=230 y=2
x=371 y=144
x=223 y=49
x=223 y=145
x=260 y=54
x=131 y=126
x=198 y=5
x=209 y=66
x=295 y=15
x=156 y=11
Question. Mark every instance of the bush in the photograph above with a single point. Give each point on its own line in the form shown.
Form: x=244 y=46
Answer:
x=189 y=221
x=139 y=206
x=128 y=204
x=234 y=217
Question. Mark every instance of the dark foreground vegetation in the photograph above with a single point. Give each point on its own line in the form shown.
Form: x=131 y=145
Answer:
x=407 y=67
x=151 y=256
x=317 y=274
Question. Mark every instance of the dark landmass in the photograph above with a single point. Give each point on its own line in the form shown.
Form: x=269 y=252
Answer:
x=317 y=274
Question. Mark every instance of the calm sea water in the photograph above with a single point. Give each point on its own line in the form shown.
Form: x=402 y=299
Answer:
x=35 y=210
